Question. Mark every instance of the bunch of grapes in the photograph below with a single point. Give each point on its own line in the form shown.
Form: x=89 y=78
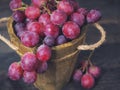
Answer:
x=86 y=74
x=45 y=23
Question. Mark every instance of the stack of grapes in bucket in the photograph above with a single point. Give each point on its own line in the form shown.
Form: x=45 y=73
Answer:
x=44 y=24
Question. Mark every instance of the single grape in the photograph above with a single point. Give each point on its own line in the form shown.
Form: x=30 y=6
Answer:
x=87 y=81
x=39 y=3
x=66 y=7
x=95 y=71
x=14 y=4
x=49 y=41
x=29 y=39
x=18 y=16
x=71 y=30
x=58 y=17
x=29 y=77
x=36 y=27
x=32 y=12
x=82 y=11
x=51 y=30
x=78 y=18
x=42 y=67
x=19 y=27
x=43 y=53
x=28 y=61
x=61 y=39
x=93 y=16
x=15 y=72
x=44 y=18
x=77 y=75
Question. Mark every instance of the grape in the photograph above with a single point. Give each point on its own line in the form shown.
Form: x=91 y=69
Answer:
x=78 y=18
x=18 y=16
x=44 y=18
x=51 y=30
x=36 y=27
x=19 y=27
x=82 y=11
x=48 y=40
x=15 y=71
x=42 y=67
x=61 y=39
x=58 y=17
x=32 y=12
x=66 y=7
x=14 y=4
x=29 y=77
x=29 y=61
x=74 y=4
x=71 y=30
x=77 y=75
x=95 y=71
x=43 y=53
x=39 y=3
x=93 y=16
x=87 y=81
x=29 y=39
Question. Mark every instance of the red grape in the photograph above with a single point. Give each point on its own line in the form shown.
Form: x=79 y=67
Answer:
x=82 y=11
x=95 y=71
x=29 y=77
x=18 y=16
x=58 y=17
x=50 y=41
x=36 y=27
x=15 y=71
x=32 y=12
x=66 y=7
x=43 y=53
x=44 y=18
x=71 y=30
x=93 y=16
x=29 y=61
x=29 y=39
x=14 y=4
x=78 y=18
x=51 y=30
x=39 y=3
x=87 y=81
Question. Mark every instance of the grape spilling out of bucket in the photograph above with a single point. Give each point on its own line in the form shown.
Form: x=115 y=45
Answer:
x=44 y=24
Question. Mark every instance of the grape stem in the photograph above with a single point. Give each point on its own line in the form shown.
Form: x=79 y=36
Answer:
x=57 y=1
x=49 y=12
x=89 y=57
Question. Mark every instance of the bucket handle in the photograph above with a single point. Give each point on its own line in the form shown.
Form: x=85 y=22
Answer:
x=97 y=44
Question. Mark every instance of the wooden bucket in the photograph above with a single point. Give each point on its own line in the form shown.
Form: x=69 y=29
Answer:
x=63 y=60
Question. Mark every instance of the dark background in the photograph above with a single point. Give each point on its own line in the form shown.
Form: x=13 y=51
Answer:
x=107 y=56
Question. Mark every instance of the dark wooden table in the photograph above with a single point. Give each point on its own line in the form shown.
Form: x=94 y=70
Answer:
x=107 y=56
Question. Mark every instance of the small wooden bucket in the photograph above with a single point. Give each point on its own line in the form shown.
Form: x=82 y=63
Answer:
x=63 y=60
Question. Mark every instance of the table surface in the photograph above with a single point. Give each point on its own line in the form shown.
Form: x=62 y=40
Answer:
x=107 y=56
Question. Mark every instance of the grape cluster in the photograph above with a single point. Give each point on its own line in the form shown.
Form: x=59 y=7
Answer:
x=45 y=23
x=86 y=74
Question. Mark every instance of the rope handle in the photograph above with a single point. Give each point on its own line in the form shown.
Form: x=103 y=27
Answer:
x=5 y=19
x=97 y=44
